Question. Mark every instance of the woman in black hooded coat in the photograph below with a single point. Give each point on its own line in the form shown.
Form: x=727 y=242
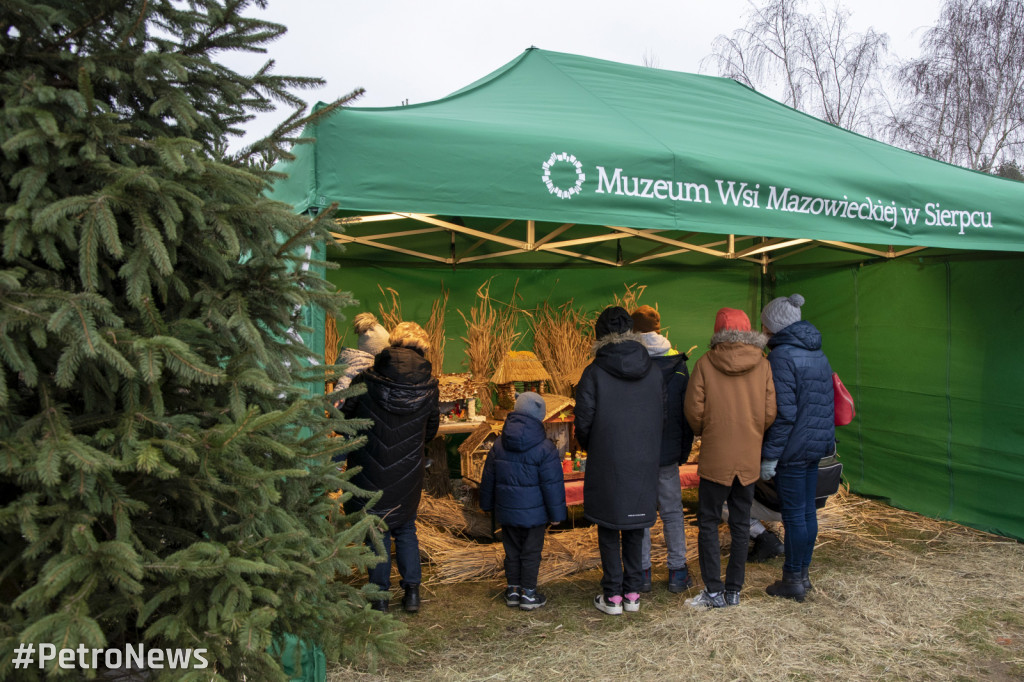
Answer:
x=402 y=400
x=619 y=417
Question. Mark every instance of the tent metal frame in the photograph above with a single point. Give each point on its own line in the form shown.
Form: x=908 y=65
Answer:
x=763 y=252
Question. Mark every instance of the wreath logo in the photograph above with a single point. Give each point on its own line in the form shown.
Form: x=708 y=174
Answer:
x=557 y=158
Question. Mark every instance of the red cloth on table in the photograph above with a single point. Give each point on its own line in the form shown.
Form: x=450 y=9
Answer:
x=574 y=489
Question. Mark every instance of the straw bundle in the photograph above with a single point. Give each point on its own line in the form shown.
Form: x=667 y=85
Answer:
x=565 y=553
x=331 y=342
x=562 y=338
x=435 y=332
x=490 y=333
x=447 y=513
x=392 y=315
x=631 y=299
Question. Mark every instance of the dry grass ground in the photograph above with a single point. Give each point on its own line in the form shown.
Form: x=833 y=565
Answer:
x=897 y=597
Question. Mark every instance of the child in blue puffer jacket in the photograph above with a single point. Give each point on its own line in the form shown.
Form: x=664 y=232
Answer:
x=522 y=484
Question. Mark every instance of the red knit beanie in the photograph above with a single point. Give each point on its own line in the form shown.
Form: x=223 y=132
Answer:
x=646 y=319
x=731 y=318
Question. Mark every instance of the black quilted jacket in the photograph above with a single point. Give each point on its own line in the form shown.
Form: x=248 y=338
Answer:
x=401 y=399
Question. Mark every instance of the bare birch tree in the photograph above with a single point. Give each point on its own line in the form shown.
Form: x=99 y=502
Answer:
x=821 y=66
x=962 y=101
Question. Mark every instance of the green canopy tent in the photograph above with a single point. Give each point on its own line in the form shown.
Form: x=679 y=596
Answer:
x=571 y=176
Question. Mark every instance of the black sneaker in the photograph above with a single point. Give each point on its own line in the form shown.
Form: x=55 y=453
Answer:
x=379 y=605
x=531 y=599
x=645 y=583
x=679 y=580
x=512 y=596
x=732 y=598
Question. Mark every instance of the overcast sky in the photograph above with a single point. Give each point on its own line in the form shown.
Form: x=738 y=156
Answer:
x=422 y=50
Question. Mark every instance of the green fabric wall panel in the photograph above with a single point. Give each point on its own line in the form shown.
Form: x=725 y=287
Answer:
x=928 y=349
x=686 y=298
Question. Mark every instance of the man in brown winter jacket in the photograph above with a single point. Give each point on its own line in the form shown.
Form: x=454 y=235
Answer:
x=730 y=403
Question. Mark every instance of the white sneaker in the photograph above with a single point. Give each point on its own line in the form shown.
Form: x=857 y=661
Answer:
x=631 y=602
x=612 y=608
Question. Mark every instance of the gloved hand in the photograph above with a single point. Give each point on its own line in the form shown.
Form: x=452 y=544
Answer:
x=768 y=469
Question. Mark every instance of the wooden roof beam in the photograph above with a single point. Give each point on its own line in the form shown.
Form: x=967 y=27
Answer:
x=480 y=242
x=461 y=229
x=650 y=235
x=348 y=239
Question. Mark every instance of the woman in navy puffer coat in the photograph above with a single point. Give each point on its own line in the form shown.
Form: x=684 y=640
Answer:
x=803 y=432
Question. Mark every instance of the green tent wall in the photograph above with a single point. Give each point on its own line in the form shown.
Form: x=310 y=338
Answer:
x=927 y=343
x=929 y=347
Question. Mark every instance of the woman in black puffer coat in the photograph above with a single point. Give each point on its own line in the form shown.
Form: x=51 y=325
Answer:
x=402 y=400
x=619 y=417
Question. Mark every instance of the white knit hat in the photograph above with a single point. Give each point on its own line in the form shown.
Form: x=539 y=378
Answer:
x=373 y=338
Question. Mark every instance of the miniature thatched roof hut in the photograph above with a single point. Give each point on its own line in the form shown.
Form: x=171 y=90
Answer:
x=518 y=366
x=555 y=405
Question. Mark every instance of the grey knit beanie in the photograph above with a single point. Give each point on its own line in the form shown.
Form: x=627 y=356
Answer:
x=532 y=405
x=781 y=312
x=373 y=338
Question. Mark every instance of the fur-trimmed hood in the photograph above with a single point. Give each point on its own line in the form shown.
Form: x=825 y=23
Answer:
x=736 y=352
x=735 y=336
x=622 y=355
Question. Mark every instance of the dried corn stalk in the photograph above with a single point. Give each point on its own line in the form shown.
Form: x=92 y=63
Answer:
x=562 y=338
x=435 y=332
x=392 y=315
x=631 y=299
x=490 y=334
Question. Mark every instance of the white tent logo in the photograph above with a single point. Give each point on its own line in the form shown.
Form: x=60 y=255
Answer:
x=552 y=187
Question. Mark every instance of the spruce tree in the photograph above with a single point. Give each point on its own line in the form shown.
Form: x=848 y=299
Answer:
x=164 y=475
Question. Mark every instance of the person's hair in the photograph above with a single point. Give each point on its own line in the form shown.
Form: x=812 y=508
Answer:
x=410 y=335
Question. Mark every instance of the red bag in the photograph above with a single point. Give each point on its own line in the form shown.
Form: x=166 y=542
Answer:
x=844 y=402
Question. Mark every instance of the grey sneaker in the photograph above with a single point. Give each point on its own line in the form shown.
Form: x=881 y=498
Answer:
x=512 y=596
x=732 y=598
x=707 y=601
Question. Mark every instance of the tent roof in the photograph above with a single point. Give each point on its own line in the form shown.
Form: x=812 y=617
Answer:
x=564 y=140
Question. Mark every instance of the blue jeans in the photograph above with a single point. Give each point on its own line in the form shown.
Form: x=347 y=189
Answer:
x=670 y=507
x=407 y=556
x=797 y=486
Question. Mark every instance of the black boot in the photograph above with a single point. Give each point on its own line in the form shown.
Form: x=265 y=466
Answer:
x=766 y=546
x=380 y=605
x=805 y=576
x=790 y=587
x=411 y=598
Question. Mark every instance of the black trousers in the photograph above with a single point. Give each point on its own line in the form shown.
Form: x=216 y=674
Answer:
x=621 y=561
x=710 y=497
x=523 y=547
